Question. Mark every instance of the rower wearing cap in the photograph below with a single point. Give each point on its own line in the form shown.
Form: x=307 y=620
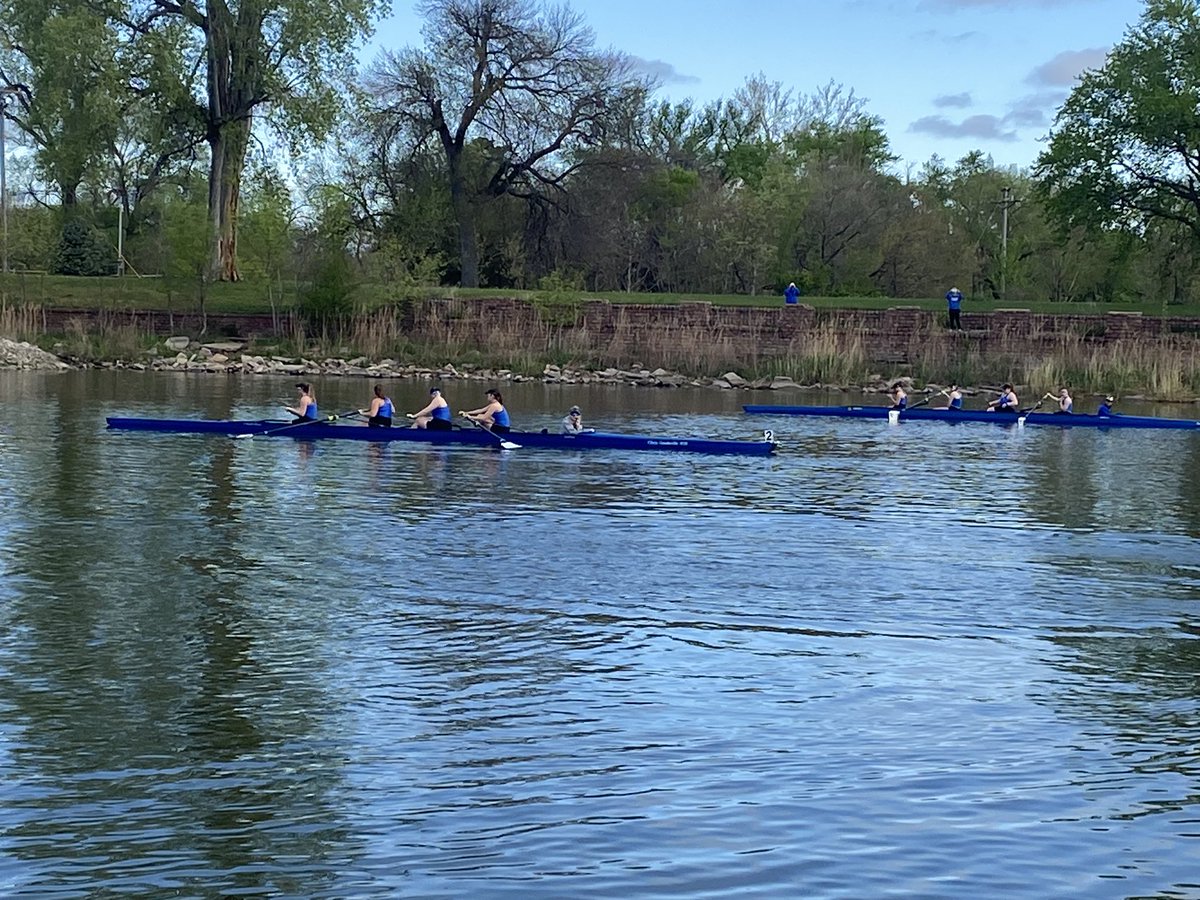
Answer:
x=1106 y=407
x=435 y=416
x=1006 y=402
x=381 y=410
x=573 y=423
x=305 y=409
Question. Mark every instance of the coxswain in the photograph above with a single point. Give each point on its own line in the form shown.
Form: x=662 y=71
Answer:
x=1106 y=407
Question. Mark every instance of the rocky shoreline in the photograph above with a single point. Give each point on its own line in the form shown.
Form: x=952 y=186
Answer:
x=229 y=357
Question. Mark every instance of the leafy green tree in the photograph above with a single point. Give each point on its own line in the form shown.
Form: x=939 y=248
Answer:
x=508 y=90
x=1125 y=148
x=60 y=66
x=286 y=58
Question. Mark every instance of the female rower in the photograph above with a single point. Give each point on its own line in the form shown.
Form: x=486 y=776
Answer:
x=1006 y=402
x=492 y=416
x=436 y=414
x=306 y=406
x=899 y=396
x=953 y=398
x=379 y=415
x=1065 y=403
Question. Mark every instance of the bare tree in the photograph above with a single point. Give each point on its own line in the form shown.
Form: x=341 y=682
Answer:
x=508 y=89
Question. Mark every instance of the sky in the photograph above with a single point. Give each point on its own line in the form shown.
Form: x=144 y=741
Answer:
x=945 y=76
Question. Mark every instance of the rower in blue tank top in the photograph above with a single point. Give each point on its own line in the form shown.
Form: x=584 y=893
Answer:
x=306 y=407
x=380 y=413
x=899 y=396
x=492 y=416
x=954 y=398
x=1006 y=402
x=435 y=415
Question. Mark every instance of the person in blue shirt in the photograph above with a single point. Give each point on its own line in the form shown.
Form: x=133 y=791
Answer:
x=1006 y=402
x=492 y=415
x=435 y=415
x=305 y=409
x=954 y=308
x=1065 y=404
x=791 y=294
x=1106 y=407
x=954 y=398
x=380 y=413
x=899 y=396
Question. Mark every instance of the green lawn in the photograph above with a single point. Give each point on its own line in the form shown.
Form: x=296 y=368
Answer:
x=129 y=292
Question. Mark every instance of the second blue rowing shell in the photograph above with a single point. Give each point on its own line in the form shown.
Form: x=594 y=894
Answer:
x=921 y=414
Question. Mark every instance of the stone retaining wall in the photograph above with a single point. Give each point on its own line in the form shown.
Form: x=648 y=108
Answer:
x=890 y=334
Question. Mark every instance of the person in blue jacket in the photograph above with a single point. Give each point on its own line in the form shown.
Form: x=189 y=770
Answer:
x=1106 y=407
x=954 y=308
x=791 y=294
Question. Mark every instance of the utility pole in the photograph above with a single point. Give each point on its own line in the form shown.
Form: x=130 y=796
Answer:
x=1006 y=200
x=5 y=93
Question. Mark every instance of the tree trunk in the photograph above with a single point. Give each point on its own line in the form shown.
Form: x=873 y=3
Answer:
x=228 y=144
x=468 y=243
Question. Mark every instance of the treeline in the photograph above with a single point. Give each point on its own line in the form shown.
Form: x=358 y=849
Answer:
x=508 y=150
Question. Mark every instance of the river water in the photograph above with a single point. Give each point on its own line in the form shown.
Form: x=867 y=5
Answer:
x=917 y=660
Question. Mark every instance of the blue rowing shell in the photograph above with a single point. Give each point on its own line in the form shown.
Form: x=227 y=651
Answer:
x=592 y=440
x=921 y=414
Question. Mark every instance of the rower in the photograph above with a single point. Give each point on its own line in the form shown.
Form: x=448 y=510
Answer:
x=899 y=396
x=305 y=409
x=954 y=397
x=1106 y=407
x=492 y=415
x=435 y=416
x=1065 y=404
x=1006 y=402
x=379 y=415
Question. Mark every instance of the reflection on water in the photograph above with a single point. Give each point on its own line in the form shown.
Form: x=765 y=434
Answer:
x=927 y=659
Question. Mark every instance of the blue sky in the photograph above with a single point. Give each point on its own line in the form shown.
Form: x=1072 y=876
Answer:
x=946 y=76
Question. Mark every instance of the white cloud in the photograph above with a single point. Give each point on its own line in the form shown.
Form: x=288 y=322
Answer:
x=662 y=72
x=1062 y=70
x=953 y=101
x=992 y=128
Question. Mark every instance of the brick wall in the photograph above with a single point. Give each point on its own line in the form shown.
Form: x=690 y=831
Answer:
x=893 y=334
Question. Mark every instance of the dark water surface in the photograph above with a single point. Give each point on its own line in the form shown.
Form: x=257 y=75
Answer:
x=933 y=659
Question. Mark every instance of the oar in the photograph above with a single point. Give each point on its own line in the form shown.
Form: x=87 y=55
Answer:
x=505 y=443
x=346 y=415
x=928 y=399
x=1023 y=413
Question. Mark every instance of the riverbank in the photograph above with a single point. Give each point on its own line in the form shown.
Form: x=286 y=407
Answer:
x=652 y=345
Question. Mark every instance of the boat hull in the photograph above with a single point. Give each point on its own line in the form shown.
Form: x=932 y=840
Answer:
x=1077 y=420
x=594 y=440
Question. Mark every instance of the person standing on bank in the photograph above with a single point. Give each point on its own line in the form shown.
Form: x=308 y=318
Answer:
x=792 y=294
x=954 y=308
x=305 y=409
x=381 y=410
x=435 y=415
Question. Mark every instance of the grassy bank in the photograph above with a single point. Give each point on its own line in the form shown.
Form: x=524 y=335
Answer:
x=129 y=292
x=1163 y=370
